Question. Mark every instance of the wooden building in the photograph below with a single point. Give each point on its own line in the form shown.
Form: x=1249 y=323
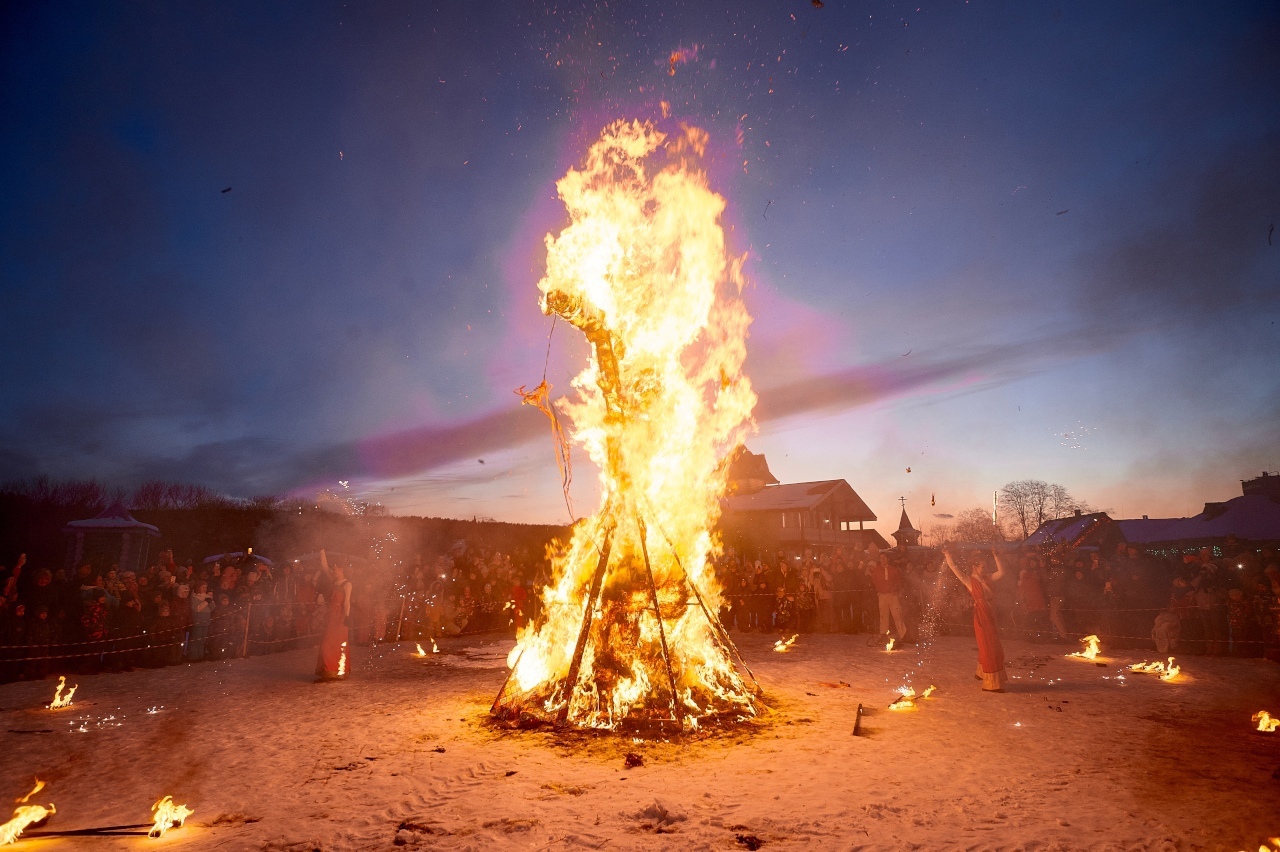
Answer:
x=760 y=519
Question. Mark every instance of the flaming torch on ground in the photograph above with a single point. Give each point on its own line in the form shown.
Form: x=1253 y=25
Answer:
x=1090 y=651
x=628 y=631
x=60 y=700
x=24 y=815
x=165 y=815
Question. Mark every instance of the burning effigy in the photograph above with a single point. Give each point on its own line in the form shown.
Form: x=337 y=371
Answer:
x=628 y=635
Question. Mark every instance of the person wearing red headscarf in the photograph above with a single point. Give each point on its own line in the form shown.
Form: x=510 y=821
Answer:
x=990 y=653
x=332 y=663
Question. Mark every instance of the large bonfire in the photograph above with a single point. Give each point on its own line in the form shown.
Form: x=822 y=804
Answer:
x=628 y=635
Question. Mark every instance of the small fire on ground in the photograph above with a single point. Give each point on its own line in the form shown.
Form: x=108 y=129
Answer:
x=889 y=645
x=1091 y=648
x=907 y=697
x=60 y=700
x=782 y=646
x=24 y=815
x=1265 y=722
x=1166 y=671
x=166 y=815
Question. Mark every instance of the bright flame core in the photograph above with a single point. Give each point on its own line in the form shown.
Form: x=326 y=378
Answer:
x=1091 y=647
x=60 y=700
x=643 y=271
x=166 y=815
x=1166 y=672
x=1265 y=722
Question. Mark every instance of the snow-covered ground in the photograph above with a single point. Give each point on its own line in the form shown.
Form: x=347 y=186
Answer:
x=1072 y=757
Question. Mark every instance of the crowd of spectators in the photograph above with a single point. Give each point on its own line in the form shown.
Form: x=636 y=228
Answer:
x=1214 y=601
x=105 y=618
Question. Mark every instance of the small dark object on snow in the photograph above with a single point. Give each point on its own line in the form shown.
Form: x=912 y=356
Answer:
x=814 y=694
x=1060 y=212
x=750 y=841
x=1270 y=231
x=632 y=760
x=438 y=749
x=509 y=773
x=857 y=723
x=225 y=191
x=1101 y=665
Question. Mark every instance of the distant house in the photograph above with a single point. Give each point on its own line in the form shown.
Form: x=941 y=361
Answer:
x=1095 y=529
x=1252 y=519
x=113 y=537
x=760 y=519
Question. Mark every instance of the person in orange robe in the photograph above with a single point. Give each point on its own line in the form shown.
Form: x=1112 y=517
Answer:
x=990 y=653
x=332 y=663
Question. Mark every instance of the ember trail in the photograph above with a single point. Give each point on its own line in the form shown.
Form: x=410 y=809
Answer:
x=628 y=634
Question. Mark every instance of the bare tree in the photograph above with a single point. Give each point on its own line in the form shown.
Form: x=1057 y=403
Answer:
x=86 y=494
x=971 y=525
x=1028 y=503
x=158 y=494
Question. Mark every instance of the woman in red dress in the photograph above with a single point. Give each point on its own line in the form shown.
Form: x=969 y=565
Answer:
x=990 y=653
x=332 y=663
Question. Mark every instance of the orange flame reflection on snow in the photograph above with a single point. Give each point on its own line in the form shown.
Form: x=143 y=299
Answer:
x=60 y=700
x=167 y=815
x=1091 y=647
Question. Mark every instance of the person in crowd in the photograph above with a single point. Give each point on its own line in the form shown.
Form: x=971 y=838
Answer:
x=332 y=661
x=1033 y=610
x=201 y=620
x=888 y=582
x=991 y=670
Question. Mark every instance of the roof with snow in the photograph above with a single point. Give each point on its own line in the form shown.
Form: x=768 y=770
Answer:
x=1073 y=530
x=1253 y=517
x=114 y=518
x=799 y=496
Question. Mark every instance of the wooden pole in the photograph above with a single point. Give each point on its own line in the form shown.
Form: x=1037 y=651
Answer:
x=676 y=712
x=571 y=680
x=400 y=621
x=248 y=617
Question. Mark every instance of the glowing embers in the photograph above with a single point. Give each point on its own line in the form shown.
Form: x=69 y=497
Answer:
x=1166 y=671
x=782 y=646
x=627 y=632
x=907 y=697
x=1091 y=648
x=1265 y=722
x=25 y=816
x=165 y=815
x=60 y=700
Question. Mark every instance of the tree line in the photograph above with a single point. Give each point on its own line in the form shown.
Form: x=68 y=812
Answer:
x=1021 y=507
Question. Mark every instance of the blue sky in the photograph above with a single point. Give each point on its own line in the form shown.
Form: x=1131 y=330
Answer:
x=1060 y=211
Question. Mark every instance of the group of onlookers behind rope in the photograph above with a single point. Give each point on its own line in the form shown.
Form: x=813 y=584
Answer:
x=1208 y=602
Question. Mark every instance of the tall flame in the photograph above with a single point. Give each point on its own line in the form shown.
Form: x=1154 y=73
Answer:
x=643 y=271
x=60 y=700
x=166 y=815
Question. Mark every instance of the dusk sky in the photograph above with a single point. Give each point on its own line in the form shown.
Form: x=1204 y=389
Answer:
x=268 y=247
